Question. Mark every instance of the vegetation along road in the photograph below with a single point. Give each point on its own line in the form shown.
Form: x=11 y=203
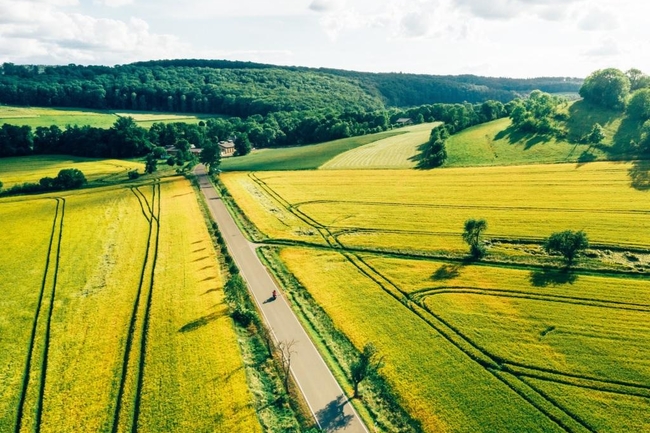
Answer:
x=325 y=397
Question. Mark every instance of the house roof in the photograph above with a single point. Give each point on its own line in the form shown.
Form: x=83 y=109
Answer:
x=404 y=120
x=226 y=144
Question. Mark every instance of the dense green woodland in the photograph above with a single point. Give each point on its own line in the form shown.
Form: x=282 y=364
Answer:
x=243 y=89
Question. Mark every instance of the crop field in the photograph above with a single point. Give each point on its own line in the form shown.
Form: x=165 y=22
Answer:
x=497 y=346
x=485 y=348
x=414 y=211
x=41 y=116
x=112 y=316
x=306 y=157
x=32 y=168
x=393 y=152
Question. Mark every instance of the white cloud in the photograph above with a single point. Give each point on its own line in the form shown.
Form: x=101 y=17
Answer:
x=507 y=9
x=598 y=19
x=607 y=48
x=114 y=3
x=326 y=5
x=41 y=29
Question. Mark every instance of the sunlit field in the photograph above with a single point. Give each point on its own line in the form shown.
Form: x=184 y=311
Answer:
x=415 y=211
x=30 y=169
x=485 y=348
x=113 y=301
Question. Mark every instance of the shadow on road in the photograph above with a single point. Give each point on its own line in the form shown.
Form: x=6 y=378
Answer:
x=269 y=299
x=331 y=417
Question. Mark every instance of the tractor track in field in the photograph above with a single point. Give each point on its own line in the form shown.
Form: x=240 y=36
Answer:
x=464 y=206
x=152 y=242
x=50 y=269
x=445 y=329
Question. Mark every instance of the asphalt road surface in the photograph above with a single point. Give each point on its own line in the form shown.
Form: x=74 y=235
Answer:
x=326 y=399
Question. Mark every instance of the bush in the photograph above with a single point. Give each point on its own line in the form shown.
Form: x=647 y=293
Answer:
x=133 y=174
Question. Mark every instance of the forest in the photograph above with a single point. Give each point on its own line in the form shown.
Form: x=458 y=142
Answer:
x=243 y=89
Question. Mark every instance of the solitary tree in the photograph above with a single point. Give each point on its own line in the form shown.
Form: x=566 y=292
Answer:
x=210 y=156
x=69 y=178
x=606 y=87
x=368 y=362
x=151 y=163
x=596 y=135
x=567 y=243
x=472 y=236
x=286 y=351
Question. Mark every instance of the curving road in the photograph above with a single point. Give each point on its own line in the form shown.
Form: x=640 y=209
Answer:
x=325 y=398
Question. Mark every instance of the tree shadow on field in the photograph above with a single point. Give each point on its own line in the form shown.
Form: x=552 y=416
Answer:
x=552 y=277
x=202 y=321
x=331 y=417
x=446 y=272
x=419 y=157
x=640 y=175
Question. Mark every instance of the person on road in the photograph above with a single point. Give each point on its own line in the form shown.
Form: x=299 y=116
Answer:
x=275 y=295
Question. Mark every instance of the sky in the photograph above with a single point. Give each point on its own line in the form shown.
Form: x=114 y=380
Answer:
x=506 y=38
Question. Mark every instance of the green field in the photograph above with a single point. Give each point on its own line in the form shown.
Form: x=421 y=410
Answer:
x=495 y=143
x=516 y=344
x=30 y=169
x=112 y=315
x=62 y=117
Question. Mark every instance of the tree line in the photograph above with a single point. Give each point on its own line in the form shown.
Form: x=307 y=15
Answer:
x=126 y=139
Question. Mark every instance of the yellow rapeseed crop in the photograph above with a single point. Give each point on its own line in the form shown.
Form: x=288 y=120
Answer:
x=425 y=211
x=109 y=347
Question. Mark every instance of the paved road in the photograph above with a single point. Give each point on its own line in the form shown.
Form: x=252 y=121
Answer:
x=325 y=397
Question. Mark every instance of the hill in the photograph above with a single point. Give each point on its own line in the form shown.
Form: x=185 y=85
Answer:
x=497 y=143
x=243 y=89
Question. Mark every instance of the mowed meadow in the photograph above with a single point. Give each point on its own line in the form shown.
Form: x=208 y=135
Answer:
x=112 y=316
x=508 y=344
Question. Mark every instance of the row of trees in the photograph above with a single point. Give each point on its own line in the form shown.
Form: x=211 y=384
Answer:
x=68 y=178
x=611 y=88
x=456 y=117
x=126 y=139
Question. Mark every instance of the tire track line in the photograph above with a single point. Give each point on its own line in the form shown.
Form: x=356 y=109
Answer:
x=133 y=323
x=28 y=364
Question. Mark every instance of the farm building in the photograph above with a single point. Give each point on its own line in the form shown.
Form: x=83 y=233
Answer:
x=227 y=148
x=403 y=121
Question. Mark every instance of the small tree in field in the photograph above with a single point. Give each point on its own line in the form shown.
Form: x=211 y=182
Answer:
x=567 y=243
x=472 y=236
x=367 y=363
x=151 y=163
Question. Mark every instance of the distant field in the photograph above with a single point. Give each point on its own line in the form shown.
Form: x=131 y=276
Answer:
x=301 y=157
x=36 y=116
x=479 y=348
x=408 y=210
x=32 y=168
x=113 y=305
x=392 y=152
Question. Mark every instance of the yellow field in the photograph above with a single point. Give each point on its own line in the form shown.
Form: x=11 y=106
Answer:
x=131 y=325
x=32 y=168
x=425 y=211
x=479 y=348
x=399 y=151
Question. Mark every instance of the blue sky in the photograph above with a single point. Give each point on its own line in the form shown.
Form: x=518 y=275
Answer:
x=516 y=38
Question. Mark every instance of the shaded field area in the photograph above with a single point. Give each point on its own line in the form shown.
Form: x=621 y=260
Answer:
x=62 y=117
x=419 y=212
x=117 y=301
x=23 y=169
